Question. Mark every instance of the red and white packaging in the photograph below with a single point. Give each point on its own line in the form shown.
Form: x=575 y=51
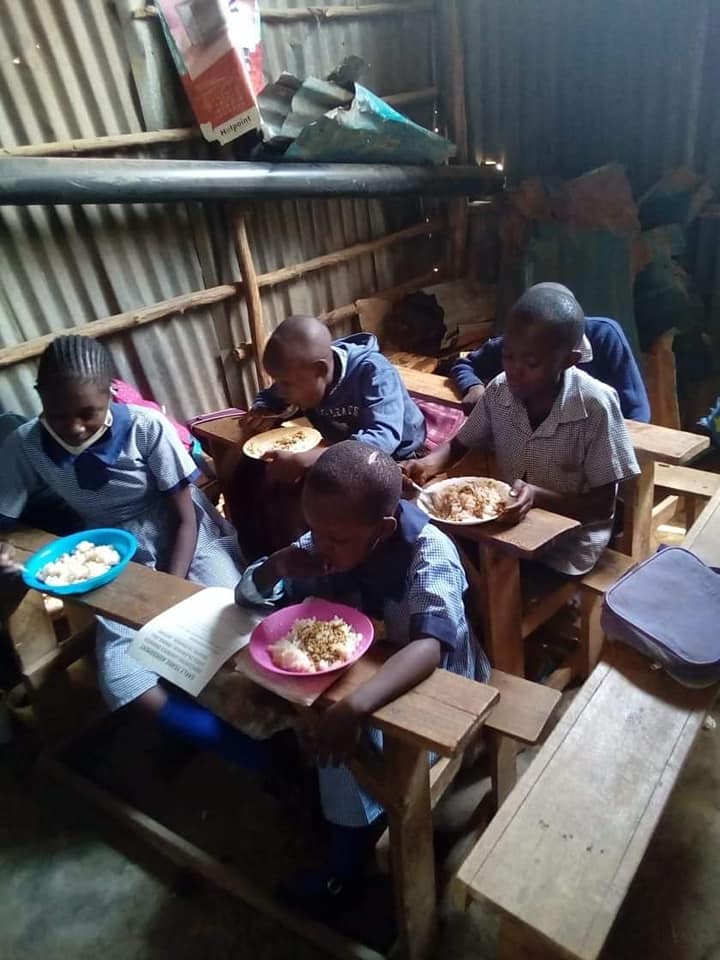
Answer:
x=216 y=48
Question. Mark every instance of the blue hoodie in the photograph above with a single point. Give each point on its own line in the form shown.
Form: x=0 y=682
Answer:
x=368 y=401
x=612 y=362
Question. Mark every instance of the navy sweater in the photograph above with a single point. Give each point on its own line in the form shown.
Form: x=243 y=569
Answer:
x=368 y=401
x=612 y=362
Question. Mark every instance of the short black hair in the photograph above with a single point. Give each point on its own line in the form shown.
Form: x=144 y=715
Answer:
x=555 y=307
x=367 y=478
x=75 y=358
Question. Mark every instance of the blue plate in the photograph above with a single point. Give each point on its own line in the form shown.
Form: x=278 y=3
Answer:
x=124 y=542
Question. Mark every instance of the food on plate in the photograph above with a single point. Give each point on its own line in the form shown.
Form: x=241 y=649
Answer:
x=480 y=499
x=86 y=562
x=294 y=440
x=313 y=645
x=285 y=439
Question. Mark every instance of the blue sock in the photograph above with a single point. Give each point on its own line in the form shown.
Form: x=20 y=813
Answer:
x=199 y=726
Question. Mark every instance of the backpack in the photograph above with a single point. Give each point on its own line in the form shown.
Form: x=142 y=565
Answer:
x=668 y=608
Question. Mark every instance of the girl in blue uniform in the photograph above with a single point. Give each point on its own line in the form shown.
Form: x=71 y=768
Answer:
x=123 y=466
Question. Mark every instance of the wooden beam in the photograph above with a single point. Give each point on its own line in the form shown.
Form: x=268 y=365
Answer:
x=285 y=274
x=118 y=141
x=258 y=333
x=411 y=96
x=345 y=13
x=122 y=321
x=198 y=298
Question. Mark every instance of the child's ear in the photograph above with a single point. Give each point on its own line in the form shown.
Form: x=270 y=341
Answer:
x=321 y=369
x=573 y=358
x=387 y=527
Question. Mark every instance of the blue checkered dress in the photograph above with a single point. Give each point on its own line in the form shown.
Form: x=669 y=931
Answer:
x=416 y=584
x=123 y=481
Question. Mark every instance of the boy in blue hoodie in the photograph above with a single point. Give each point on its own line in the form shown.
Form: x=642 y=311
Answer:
x=347 y=389
x=604 y=353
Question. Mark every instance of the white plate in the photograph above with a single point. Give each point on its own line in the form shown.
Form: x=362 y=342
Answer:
x=271 y=441
x=440 y=485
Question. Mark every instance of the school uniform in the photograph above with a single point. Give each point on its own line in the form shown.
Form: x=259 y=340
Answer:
x=123 y=480
x=604 y=353
x=415 y=583
x=367 y=401
x=583 y=443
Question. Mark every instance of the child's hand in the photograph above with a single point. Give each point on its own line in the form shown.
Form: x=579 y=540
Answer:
x=296 y=563
x=254 y=422
x=8 y=566
x=420 y=471
x=472 y=396
x=285 y=468
x=522 y=500
x=336 y=734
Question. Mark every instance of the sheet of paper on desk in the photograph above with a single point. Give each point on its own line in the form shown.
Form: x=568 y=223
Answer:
x=188 y=643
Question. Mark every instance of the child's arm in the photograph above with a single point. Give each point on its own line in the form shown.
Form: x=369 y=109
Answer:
x=593 y=506
x=186 y=534
x=339 y=728
x=441 y=459
x=12 y=588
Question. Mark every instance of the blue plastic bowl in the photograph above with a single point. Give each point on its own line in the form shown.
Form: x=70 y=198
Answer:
x=124 y=542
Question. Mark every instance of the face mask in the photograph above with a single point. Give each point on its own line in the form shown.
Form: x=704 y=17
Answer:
x=80 y=448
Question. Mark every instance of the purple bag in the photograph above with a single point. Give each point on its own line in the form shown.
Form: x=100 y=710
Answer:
x=668 y=608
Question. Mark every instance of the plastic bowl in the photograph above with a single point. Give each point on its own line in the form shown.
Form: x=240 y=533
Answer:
x=279 y=624
x=124 y=542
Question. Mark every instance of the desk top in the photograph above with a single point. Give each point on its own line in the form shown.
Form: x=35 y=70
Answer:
x=537 y=530
x=441 y=714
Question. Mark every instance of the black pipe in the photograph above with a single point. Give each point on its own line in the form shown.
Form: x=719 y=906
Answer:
x=33 y=180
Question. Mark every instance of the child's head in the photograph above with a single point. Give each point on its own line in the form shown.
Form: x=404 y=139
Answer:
x=350 y=498
x=73 y=380
x=542 y=338
x=299 y=358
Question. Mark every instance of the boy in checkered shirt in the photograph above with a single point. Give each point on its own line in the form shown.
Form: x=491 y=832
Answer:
x=558 y=434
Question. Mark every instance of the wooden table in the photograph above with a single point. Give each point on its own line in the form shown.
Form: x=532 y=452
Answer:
x=442 y=714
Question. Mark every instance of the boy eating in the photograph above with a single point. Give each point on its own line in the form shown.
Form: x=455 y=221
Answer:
x=367 y=547
x=559 y=435
x=347 y=389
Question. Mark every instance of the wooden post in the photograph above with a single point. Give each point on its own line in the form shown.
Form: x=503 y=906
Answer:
x=452 y=87
x=411 y=849
x=638 y=503
x=258 y=334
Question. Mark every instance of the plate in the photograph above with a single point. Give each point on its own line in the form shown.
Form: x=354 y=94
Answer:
x=440 y=486
x=280 y=623
x=271 y=441
x=124 y=542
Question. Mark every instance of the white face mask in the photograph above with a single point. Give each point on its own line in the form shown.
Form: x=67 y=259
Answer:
x=80 y=448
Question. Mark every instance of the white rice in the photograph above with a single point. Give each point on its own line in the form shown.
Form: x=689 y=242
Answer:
x=313 y=645
x=86 y=562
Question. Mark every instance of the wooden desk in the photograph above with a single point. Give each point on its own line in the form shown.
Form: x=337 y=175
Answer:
x=703 y=538
x=441 y=714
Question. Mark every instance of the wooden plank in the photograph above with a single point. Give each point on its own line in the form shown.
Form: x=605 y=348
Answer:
x=411 y=845
x=118 y=141
x=537 y=610
x=537 y=530
x=664 y=511
x=584 y=812
x=664 y=443
x=703 y=538
x=188 y=855
x=251 y=289
x=351 y=12
x=637 y=529
x=607 y=571
x=523 y=709
x=501 y=609
x=689 y=480
x=430 y=386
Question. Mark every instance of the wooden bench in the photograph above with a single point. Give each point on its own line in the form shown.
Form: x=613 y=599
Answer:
x=558 y=859
x=695 y=486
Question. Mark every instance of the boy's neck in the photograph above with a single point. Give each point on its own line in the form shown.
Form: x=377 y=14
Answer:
x=538 y=407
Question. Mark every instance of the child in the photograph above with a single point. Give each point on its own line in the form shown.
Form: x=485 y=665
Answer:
x=347 y=389
x=124 y=466
x=604 y=353
x=559 y=435
x=367 y=547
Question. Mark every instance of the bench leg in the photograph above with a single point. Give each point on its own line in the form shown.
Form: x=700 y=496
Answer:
x=503 y=766
x=691 y=510
x=591 y=634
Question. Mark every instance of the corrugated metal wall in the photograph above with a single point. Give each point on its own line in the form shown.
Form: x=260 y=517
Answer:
x=556 y=87
x=84 y=68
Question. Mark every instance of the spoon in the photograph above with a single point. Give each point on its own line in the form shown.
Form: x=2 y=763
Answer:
x=422 y=495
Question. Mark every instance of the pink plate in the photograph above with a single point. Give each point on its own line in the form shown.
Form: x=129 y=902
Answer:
x=279 y=624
